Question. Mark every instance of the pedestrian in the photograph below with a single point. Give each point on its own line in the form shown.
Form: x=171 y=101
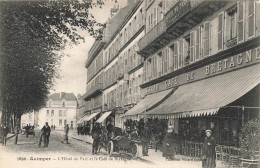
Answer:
x=96 y=133
x=5 y=131
x=168 y=144
x=27 y=128
x=78 y=129
x=145 y=139
x=16 y=132
x=46 y=130
x=209 y=153
x=66 y=132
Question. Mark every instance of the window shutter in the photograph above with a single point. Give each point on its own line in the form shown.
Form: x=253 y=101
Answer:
x=206 y=38
x=144 y=71
x=166 y=60
x=197 y=45
x=175 y=57
x=240 y=25
x=155 y=16
x=251 y=19
x=155 y=66
x=163 y=58
x=180 y=54
x=220 y=31
x=192 y=46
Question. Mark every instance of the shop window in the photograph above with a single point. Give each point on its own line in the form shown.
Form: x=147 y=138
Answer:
x=60 y=122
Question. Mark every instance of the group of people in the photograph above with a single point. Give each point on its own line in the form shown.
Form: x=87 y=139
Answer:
x=83 y=129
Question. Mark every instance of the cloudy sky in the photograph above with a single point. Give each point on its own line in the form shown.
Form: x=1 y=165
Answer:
x=73 y=72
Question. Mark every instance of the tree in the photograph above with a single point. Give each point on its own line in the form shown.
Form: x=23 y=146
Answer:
x=31 y=36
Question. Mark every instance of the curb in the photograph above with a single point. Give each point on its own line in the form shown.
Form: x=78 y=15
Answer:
x=76 y=138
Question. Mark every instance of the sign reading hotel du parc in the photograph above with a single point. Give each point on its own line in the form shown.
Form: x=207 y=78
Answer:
x=238 y=61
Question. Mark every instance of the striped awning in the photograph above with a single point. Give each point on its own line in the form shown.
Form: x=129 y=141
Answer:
x=103 y=117
x=89 y=117
x=81 y=119
x=205 y=97
x=147 y=103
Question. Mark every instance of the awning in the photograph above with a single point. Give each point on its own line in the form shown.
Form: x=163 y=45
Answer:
x=90 y=116
x=205 y=97
x=147 y=103
x=103 y=117
x=81 y=119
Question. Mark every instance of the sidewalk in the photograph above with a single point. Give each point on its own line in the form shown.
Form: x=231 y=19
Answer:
x=154 y=157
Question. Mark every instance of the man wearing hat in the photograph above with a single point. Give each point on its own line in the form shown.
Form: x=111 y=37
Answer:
x=168 y=144
x=209 y=153
x=145 y=138
x=46 y=130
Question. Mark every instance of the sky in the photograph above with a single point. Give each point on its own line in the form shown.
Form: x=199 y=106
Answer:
x=72 y=70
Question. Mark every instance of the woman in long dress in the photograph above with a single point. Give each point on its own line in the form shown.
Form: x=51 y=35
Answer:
x=209 y=153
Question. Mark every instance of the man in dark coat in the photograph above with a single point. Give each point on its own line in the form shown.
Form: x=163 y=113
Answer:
x=5 y=131
x=169 y=144
x=145 y=138
x=96 y=134
x=66 y=132
x=46 y=130
x=209 y=153
x=27 y=128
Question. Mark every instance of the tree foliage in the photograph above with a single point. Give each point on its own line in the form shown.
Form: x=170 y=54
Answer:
x=31 y=35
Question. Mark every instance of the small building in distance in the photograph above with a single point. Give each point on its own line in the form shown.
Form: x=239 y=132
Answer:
x=61 y=109
x=30 y=119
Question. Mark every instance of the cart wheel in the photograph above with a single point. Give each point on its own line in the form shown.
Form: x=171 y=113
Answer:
x=135 y=150
x=110 y=148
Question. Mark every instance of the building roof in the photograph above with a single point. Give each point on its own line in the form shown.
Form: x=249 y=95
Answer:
x=63 y=95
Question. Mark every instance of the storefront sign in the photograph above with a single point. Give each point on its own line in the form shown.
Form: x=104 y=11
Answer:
x=234 y=62
x=181 y=8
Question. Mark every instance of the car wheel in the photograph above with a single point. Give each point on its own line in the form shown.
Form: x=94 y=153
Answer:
x=110 y=148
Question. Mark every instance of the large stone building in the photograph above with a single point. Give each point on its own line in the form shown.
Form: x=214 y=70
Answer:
x=201 y=68
x=60 y=109
x=192 y=64
x=114 y=69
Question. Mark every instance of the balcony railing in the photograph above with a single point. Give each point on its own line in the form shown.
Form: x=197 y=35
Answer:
x=98 y=87
x=153 y=34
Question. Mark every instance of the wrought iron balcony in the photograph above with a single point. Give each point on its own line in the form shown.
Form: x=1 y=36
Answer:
x=181 y=17
x=96 y=89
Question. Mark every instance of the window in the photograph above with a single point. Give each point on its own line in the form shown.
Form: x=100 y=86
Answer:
x=60 y=122
x=65 y=122
x=180 y=53
x=159 y=64
x=175 y=56
x=231 y=29
x=240 y=24
x=52 y=112
x=251 y=18
x=206 y=40
x=47 y=113
x=63 y=104
x=186 y=50
x=60 y=113
x=65 y=113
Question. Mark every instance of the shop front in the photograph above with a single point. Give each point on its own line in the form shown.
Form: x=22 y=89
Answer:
x=220 y=96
